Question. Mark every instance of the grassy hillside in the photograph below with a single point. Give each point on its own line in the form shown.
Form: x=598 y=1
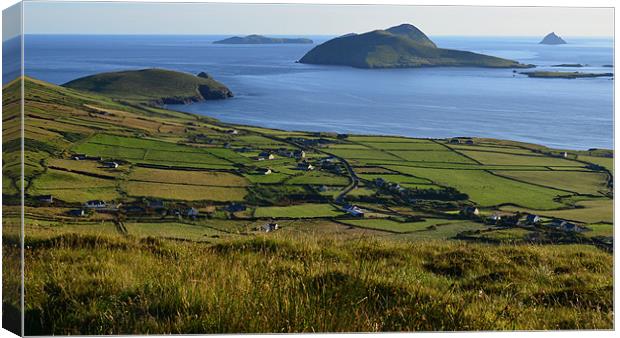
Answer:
x=413 y=261
x=398 y=47
x=291 y=283
x=152 y=85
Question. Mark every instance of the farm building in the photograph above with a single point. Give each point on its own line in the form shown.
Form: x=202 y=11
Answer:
x=454 y=141
x=299 y=154
x=470 y=142
x=265 y=155
x=111 y=165
x=470 y=211
x=79 y=157
x=271 y=226
x=232 y=132
x=46 y=199
x=495 y=218
x=95 y=204
x=353 y=210
x=566 y=226
x=263 y=171
x=532 y=219
x=306 y=166
x=77 y=213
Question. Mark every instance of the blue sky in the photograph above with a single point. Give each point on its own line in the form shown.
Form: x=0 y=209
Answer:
x=196 y=18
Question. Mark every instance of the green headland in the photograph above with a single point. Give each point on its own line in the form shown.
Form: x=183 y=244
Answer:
x=157 y=86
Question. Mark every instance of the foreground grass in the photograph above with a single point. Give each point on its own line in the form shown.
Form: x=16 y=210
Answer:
x=78 y=284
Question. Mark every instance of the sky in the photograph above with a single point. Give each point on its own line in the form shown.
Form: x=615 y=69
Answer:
x=295 y=19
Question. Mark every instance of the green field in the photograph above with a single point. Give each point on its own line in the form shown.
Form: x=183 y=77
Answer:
x=487 y=189
x=73 y=187
x=401 y=227
x=207 y=178
x=594 y=211
x=573 y=181
x=510 y=159
x=298 y=211
x=184 y=192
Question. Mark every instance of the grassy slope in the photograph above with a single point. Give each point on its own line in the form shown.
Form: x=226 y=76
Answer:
x=309 y=284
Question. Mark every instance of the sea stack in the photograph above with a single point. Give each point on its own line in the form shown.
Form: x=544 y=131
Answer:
x=552 y=39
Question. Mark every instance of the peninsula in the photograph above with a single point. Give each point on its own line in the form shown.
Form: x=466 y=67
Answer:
x=403 y=46
x=154 y=86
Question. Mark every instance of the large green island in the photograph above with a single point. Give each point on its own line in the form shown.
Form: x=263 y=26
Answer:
x=403 y=46
x=142 y=219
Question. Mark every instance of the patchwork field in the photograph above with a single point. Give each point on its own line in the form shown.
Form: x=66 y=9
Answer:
x=189 y=205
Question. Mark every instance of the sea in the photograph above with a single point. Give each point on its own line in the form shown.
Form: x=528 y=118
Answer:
x=272 y=90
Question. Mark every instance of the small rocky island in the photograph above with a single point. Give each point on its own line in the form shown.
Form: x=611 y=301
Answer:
x=552 y=39
x=565 y=75
x=403 y=46
x=153 y=86
x=260 y=39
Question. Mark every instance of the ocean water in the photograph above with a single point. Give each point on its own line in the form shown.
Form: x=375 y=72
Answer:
x=271 y=90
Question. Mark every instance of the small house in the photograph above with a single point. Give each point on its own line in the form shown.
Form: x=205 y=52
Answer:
x=79 y=157
x=299 y=154
x=77 y=213
x=532 y=219
x=454 y=141
x=46 y=199
x=271 y=226
x=353 y=210
x=263 y=171
x=110 y=165
x=306 y=166
x=565 y=154
x=232 y=131
x=266 y=155
x=470 y=211
x=95 y=204
x=496 y=217
x=469 y=142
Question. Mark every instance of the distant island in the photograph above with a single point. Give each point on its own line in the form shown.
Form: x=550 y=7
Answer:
x=574 y=65
x=552 y=39
x=155 y=86
x=403 y=46
x=565 y=75
x=260 y=39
